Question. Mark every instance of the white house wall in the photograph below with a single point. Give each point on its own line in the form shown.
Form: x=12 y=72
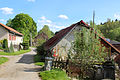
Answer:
x=18 y=40
x=62 y=48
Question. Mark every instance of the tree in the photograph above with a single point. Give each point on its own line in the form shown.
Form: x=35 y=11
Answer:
x=9 y=22
x=87 y=50
x=47 y=31
x=110 y=29
x=24 y=24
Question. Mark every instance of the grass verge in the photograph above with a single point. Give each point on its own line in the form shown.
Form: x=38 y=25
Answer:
x=15 y=53
x=55 y=74
x=39 y=63
x=3 y=60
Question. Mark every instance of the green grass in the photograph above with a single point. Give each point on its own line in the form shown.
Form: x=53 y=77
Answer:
x=3 y=60
x=37 y=58
x=39 y=63
x=15 y=53
x=55 y=74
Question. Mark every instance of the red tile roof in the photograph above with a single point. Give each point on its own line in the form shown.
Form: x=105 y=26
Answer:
x=55 y=39
x=11 y=29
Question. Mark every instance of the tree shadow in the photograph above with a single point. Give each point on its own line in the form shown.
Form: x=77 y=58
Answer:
x=27 y=59
x=37 y=69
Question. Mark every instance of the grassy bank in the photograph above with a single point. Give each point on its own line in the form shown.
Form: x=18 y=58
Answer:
x=15 y=53
x=55 y=74
x=3 y=60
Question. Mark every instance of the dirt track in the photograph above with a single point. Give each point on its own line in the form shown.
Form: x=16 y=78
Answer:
x=20 y=67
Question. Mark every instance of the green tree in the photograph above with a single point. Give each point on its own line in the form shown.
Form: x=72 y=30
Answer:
x=11 y=49
x=47 y=31
x=9 y=22
x=24 y=24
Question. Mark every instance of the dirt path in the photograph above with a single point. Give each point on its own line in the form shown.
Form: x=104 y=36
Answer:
x=20 y=67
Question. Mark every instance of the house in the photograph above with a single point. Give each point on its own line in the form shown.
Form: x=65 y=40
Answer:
x=11 y=35
x=61 y=42
x=42 y=36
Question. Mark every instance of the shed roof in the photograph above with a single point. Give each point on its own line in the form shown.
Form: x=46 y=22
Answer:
x=11 y=29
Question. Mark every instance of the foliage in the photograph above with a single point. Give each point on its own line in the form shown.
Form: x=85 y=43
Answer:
x=11 y=49
x=41 y=41
x=25 y=45
x=55 y=74
x=110 y=29
x=39 y=63
x=87 y=49
x=5 y=44
x=15 y=53
x=47 y=31
x=9 y=22
x=37 y=58
x=3 y=60
x=24 y=24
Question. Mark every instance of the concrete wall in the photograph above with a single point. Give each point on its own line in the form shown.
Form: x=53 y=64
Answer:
x=63 y=47
x=4 y=34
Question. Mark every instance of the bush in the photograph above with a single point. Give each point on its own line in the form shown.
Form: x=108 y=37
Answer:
x=11 y=49
x=55 y=74
x=25 y=45
x=5 y=44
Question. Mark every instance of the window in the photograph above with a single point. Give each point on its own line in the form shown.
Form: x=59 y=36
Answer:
x=10 y=37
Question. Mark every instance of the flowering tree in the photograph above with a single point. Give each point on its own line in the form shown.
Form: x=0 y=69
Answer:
x=87 y=49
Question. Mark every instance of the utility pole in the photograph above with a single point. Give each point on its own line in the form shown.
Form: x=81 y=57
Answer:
x=93 y=18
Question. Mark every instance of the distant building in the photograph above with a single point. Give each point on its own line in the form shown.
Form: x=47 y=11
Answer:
x=41 y=35
x=11 y=35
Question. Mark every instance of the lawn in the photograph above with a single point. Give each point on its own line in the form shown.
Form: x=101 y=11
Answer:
x=3 y=60
x=55 y=74
x=15 y=53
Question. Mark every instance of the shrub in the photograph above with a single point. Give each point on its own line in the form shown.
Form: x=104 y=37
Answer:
x=5 y=43
x=11 y=49
x=25 y=45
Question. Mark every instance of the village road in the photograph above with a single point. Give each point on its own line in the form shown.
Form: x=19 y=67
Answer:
x=20 y=67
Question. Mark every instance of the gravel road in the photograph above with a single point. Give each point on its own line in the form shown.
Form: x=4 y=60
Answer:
x=20 y=67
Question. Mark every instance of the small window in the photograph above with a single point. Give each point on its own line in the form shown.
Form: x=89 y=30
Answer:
x=10 y=36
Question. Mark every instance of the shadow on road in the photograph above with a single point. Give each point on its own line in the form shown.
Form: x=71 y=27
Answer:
x=37 y=69
x=27 y=59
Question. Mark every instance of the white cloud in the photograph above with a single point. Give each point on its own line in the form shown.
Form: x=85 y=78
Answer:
x=6 y=10
x=117 y=16
x=31 y=0
x=63 y=16
x=2 y=20
x=52 y=25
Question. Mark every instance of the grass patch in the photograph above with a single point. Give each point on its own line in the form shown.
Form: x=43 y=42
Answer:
x=37 y=58
x=39 y=63
x=15 y=53
x=3 y=60
x=55 y=74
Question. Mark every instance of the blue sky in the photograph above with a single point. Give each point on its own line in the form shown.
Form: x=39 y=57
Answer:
x=59 y=14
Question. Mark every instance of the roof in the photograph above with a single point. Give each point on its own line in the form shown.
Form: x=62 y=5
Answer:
x=11 y=29
x=55 y=39
x=114 y=42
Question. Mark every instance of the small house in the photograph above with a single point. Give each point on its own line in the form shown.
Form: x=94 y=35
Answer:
x=11 y=35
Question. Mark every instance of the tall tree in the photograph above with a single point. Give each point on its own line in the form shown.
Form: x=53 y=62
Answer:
x=47 y=31
x=24 y=24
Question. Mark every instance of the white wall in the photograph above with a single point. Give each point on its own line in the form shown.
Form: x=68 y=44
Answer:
x=19 y=39
x=63 y=47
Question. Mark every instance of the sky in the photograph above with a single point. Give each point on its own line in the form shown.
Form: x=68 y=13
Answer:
x=58 y=14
